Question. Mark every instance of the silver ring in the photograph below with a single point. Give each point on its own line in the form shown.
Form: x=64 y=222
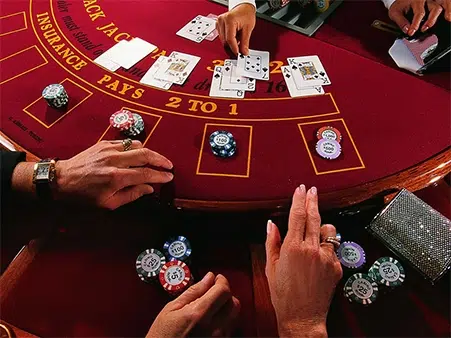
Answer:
x=127 y=144
x=333 y=240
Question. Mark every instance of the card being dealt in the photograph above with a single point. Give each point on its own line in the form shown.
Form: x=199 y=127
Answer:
x=311 y=70
x=213 y=35
x=255 y=65
x=231 y=80
x=177 y=67
x=215 y=89
x=296 y=92
x=197 y=29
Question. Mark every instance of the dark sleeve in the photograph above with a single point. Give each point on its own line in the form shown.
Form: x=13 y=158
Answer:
x=8 y=161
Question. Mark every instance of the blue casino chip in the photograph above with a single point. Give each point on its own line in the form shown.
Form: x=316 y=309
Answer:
x=177 y=248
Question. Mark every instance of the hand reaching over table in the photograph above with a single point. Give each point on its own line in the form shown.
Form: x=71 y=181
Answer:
x=302 y=271
x=207 y=308
x=235 y=28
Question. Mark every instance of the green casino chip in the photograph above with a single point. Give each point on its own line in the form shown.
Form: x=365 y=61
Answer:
x=387 y=271
x=149 y=264
x=360 y=288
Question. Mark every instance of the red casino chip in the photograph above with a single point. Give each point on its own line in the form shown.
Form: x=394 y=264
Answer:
x=175 y=277
x=122 y=120
x=329 y=133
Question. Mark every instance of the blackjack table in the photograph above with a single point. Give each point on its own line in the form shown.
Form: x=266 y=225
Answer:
x=394 y=125
x=81 y=280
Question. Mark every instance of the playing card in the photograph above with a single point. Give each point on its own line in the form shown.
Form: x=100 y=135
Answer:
x=109 y=58
x=231 y=80
x=255 y=65
x=296 y=92
x=149 y=78
x=197 y=29
x=213 y=35
x=134 y=51
x=423 y=47
x=177 y=67
x=215 y=89
x=311 y=70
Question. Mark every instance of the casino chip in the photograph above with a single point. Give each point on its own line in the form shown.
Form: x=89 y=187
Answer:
x=122 y=120
x=360 y=288
x=351 y=255
x=177 y=248
x=328 y=149
x=222 y=143
x=175 y=277
x=387 y=271
x=137 y=127
x=56 y=96
x=149 y=264
x=329 y=133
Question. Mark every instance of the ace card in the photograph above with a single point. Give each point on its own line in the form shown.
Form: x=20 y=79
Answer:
x=255 y=65
x=231 y=80
x=308 y=71
x=177 y=67
x=215 y=89
x=197 y=29
x=295 y=91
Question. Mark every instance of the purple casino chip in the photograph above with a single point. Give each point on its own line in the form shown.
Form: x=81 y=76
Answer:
x=351 y=255
x=329 y=149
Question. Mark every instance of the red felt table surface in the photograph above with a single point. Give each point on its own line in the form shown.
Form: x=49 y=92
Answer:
x=390 y=120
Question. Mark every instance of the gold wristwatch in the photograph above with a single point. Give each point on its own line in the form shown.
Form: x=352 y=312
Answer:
x=44 y=174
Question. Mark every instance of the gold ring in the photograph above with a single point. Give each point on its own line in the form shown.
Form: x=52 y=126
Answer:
x=127 y=144
x=333 y=240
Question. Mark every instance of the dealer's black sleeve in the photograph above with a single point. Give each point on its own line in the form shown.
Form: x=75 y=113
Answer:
x=8 y=161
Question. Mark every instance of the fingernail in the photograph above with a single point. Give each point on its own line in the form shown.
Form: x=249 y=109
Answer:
x=268 y=226
x=302 y=188
x=412 y=32
x=313 y=190
x=405 y=29
x=206 y=276
x=424 y=28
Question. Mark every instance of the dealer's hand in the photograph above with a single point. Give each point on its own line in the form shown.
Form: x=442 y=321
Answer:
x=108 y=176
x=235 y=28
x=303 y=271
x=207 y=306
x=400 y=8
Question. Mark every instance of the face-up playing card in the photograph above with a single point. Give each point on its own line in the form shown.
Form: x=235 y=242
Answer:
x=177 y=67
x=213 y=35
x=215 y=89
x=296 y=92
x=423 y=47
x=197 y=29
x=134 y=51
x=109 y=58
x=255 y=65
x=231 y=80
x=311 y=71
x=149 y=78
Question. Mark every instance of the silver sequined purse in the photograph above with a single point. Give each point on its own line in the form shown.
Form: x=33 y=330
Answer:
x=416 y=232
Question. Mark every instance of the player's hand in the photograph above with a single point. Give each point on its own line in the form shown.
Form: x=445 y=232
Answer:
x=400 y=8
x=302 y=272
x=108 y=176
x=207 y=307
x=235 y=28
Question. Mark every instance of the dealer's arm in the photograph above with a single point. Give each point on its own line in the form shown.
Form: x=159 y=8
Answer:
x=104 y=174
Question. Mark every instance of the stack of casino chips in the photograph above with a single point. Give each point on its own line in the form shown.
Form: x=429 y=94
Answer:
x=178 y=248
x=175 y=277
x=149 y=264
x=56 y=96
x=328 y=145
x=222 y=143
x=351 y=255
x=276 y=4
x=131 y=124
x=361 y=289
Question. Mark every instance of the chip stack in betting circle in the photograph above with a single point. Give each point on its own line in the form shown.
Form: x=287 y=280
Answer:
x=55 y=95
x=360 y=288
x=222 y=143
x=122 y=120
x=149 y=264
x=137 y=127
x=387 y=271
x=178 y=249
x=328 y=145
x=175 y=277
x=351 y=255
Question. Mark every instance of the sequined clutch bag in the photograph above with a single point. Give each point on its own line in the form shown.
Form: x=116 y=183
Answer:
x=416 y=232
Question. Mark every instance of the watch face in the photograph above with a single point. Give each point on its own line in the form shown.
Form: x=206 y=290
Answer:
x=42 y=172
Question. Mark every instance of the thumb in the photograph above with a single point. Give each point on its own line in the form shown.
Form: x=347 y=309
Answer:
x=398 y=17
x=273 y=244
x=245 y=39
x=195 y=291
